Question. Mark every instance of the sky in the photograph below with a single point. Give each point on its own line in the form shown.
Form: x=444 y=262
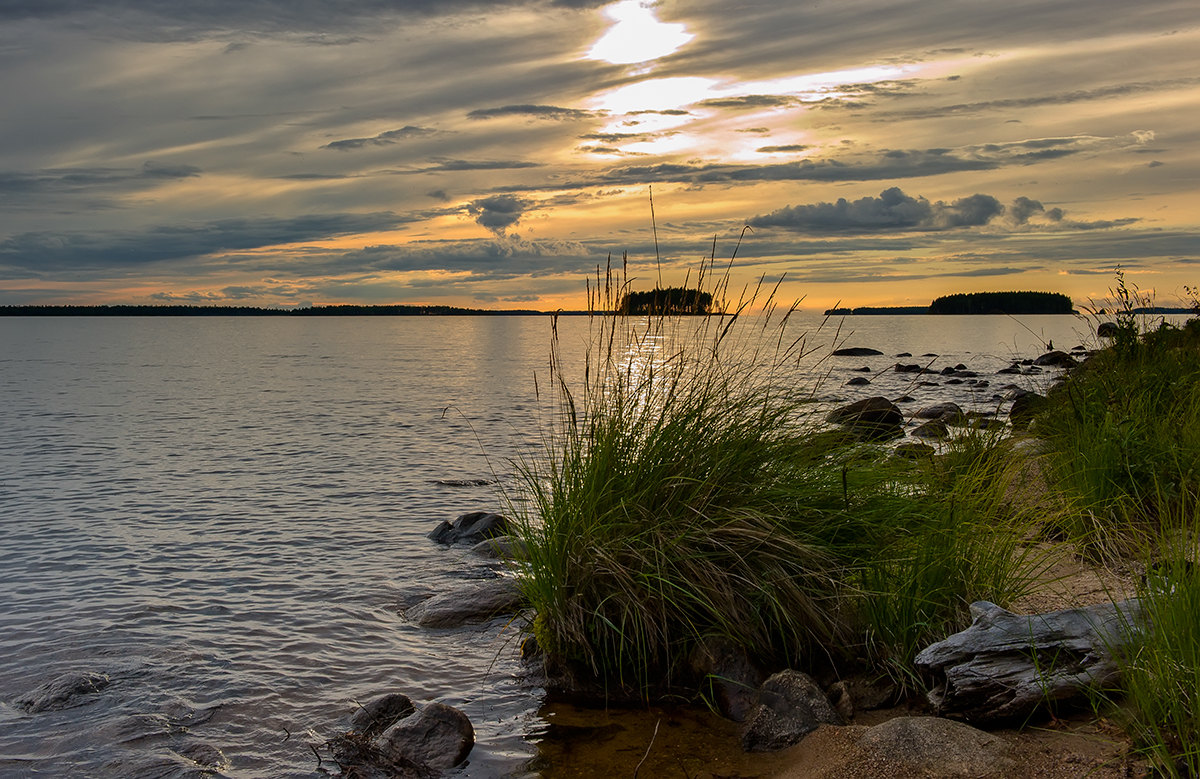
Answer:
x=495 y=155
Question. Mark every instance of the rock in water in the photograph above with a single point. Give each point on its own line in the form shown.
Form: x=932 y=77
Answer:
x=380 y=713
x=950 y=413
x=876 y=417
x=1057 y=359
x=1006 y=665
x=470 y=528
x=473 y=603
x=790 y=706
x=62 y=693
x=437 y=736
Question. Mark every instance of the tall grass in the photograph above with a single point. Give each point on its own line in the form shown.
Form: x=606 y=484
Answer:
x=1124 y=432
x=1124 y=438
x=1162 y=678
x=965 y=537
x=684 y=492
x=657 y=516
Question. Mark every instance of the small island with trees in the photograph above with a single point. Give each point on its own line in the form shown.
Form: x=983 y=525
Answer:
x=672 y=301
x=976 y=303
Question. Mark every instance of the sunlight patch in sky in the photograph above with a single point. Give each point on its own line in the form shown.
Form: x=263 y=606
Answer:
x=637 y=35
x=660 y=94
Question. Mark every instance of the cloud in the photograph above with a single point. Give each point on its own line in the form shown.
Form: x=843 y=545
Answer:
x=322 y=21
x=892 y=210
x=785 y=148
x=17 y=186
x=498 y=213
x=451 y=165
x=749 y=101
x=552 y=112
x=498 y=258
x=858 y=276
x=383 y=139
x=888 y=165
x=39 y=253
x=1061 y=98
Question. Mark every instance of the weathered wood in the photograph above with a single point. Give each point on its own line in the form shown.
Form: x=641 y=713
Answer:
x=1006 y=665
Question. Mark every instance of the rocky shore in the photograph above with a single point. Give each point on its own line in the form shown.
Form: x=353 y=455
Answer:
x=1006 y=672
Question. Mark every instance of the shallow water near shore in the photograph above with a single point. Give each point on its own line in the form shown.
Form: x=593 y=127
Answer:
x=228 y=518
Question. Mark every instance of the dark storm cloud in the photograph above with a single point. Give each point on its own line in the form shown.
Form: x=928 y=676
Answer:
x=383 y=139
x=892 y=210
x=536 y=111
x=498 y=213
x=38 y=253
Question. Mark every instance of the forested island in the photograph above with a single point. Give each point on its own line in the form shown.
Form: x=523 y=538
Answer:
x=670 y=301
x=975 y=303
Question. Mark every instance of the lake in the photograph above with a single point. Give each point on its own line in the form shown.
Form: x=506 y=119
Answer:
x=228 y=518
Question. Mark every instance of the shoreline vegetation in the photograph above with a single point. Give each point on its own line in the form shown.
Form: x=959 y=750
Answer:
x=685 y=499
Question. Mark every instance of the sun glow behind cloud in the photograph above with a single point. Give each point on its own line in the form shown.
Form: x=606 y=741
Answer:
x=637 y=35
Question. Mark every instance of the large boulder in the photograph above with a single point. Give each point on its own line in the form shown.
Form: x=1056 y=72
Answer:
x=790 y=706
x=856 y=351
x=470 y=528
x=472 y=603
x=1006 y=665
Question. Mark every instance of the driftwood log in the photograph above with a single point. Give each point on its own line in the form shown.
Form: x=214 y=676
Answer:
x=1006 y=665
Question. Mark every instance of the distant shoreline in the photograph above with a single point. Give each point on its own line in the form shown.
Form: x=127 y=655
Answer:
x=400 y=310
x=346 y=310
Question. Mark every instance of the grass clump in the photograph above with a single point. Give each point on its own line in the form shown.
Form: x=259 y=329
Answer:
x=963 y=538
x=1124 y=432
x=1162 y=677
x=658 y=515
x=686 y=492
